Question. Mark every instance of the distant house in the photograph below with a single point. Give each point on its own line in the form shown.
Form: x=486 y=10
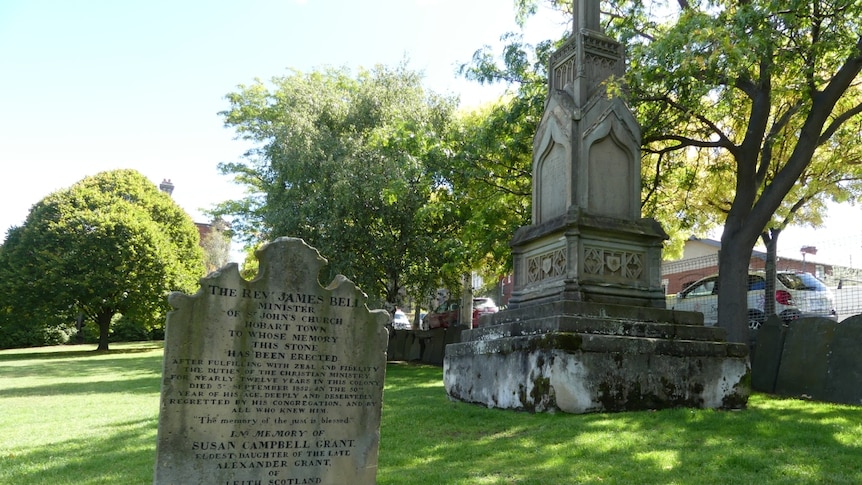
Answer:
x=700 y=259
x=216 y=250
x=204 y=229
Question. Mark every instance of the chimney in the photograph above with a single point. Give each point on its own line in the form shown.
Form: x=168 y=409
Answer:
x=166 y=186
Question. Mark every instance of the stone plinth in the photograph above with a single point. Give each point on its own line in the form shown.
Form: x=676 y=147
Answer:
x=582 y=257
x=581 y=357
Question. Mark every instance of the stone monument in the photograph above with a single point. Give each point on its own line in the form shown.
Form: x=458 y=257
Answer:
x=586 y=328
x=273 y=381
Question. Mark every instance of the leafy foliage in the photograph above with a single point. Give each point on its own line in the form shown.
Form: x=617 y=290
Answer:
x=112 y=244
x=762 y=93
x=348 y=164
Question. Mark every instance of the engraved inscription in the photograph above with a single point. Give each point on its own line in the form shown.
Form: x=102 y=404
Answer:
x=276 y=381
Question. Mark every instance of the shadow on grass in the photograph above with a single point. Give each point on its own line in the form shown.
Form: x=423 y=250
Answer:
x=70 y=372
x=425 y=438
x=141 y=385
x=78 y=351
x=70 y=364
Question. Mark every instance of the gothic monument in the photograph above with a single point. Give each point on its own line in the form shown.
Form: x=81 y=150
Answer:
x=587 y=329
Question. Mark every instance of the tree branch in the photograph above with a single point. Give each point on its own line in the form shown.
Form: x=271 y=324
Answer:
x=723 y=141
x=837 y=122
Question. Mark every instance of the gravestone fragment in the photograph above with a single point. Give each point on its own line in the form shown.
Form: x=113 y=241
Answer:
x=767 y=358
x=805 y=357
x=273 y=381
x=844 y=377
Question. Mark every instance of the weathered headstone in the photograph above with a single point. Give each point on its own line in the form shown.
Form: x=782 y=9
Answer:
x=805 y=357
x=275 y=381
x=767 y=359
x=844 y=377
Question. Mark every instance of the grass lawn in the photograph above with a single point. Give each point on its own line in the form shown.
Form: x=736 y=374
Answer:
x=69 y=415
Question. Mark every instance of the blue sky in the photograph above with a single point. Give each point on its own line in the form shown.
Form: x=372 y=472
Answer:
x=93 y=85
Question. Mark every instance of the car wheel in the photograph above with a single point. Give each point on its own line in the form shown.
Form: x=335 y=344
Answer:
x=788 y=316
x=755 y=319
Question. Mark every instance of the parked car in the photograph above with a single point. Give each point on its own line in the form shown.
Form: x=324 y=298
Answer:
x=400 y=321
x=796 y=295
x=448 y=313
x=483 y=306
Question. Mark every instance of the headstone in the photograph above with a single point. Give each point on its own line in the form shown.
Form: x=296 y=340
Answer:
x=767 y=358
x=274 y=381
x=805 y=357
x=844 y=378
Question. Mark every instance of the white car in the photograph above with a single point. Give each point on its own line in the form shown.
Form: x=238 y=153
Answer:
x=400 y=321
x=796 y=295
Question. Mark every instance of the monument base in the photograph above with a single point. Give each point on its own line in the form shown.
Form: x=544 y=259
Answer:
x=583 y=257
x=581 y=357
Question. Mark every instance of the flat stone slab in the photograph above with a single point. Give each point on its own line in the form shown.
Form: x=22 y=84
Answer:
x=844 y=377
x=592 y=309
x=568 y=323
x=805 y=357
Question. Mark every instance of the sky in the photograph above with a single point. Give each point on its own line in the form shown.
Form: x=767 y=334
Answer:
x=95 y=85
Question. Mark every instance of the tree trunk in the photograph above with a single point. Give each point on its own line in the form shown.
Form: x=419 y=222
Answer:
x=733 y=263
x=103 y=320
x=466 y=316
x=771 y=241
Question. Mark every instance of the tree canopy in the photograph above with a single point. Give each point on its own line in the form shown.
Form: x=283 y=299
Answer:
x=351 y=164
x=110 y=245
x=764 y=93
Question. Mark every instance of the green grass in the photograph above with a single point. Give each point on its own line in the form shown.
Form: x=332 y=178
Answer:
x=72 y=416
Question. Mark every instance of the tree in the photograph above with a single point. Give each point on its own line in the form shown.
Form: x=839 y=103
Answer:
x=348 y=164
x=742 y=79
x=111 y=244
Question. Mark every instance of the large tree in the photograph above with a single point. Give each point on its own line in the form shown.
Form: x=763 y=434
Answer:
x=111 y=244
x=350 y=163
x=739 y=80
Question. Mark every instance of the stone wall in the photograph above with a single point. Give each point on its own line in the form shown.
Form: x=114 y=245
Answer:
x=425 y=346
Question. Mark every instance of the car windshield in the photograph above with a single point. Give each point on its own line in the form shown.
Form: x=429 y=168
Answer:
x=482 y=302
x=801 y=281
